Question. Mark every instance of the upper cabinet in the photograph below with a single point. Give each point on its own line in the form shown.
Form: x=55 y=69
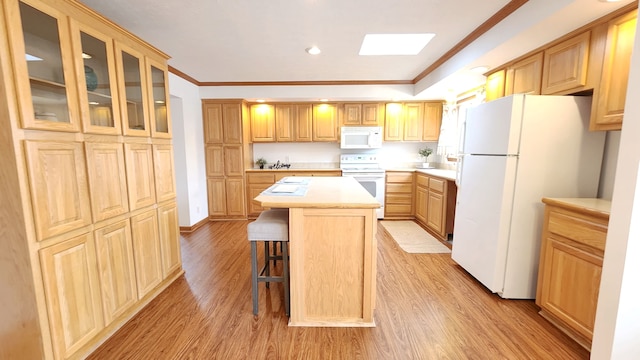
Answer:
x=96 y=80
x=593 y=59
x=524 y=76
x=45 y=82
x=494 y=87
x=325 y=122
x=565 y=65
x=159 y=97
x=415 y=121
x=294 y=122
x=362 y=114
x=263 y=123
x=609 y=97
x=135 y=113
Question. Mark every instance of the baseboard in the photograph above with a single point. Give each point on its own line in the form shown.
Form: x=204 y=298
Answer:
x=196 y=226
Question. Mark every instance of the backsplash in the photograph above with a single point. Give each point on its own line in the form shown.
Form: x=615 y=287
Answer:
x=319 y=155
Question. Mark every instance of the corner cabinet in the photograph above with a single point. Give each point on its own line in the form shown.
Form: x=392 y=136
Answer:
x=89 y=178
x=573 y=241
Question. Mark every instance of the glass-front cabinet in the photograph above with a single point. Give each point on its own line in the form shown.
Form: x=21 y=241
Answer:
x=96 y=71
x=47 y=99
x=161 y=126
x=135 y=118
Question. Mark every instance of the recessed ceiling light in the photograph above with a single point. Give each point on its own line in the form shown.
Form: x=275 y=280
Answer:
x=324 y=100
x=480 y=69
x=314 y=50
x=260 y=100
x=394 y=44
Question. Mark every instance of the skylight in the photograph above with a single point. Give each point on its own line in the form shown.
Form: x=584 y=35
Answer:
x=394 y=44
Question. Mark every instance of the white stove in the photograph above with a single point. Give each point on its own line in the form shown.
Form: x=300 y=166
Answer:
x=365 y=168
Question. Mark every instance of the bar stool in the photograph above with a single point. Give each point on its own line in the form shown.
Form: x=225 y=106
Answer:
x=271 y=226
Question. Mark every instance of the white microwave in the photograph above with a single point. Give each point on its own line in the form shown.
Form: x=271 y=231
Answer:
x=360 y=137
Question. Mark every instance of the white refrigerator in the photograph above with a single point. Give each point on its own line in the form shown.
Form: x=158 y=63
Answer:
x=517 y=150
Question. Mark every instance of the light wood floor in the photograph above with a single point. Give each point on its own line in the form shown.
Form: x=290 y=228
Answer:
x=427 y=308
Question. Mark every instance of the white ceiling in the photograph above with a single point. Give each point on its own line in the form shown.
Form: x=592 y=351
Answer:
x=265 y=40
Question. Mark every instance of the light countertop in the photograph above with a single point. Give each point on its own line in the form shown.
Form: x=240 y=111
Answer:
x=325 y=193
x=592 y=206
x=442 y=173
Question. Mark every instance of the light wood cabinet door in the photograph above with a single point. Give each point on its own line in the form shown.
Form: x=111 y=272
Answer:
x=393 y=122
x=422 y=198
x=263 y=123
x=59 y=190
x=213 y=129
x=436 y=211
x=164 y=173
x=107 y=180
x=325 y=122
x=46 y=92
x=304 y=122
x=214 y=157
x=253 y=190
x=494 y=87
x=372 y=114
x=233 y=161
x=132 y=90
x=217 y=197
x=432 y=121
x=99 y=103
x=352 y=114
x=140 y=178
x=70 y=279
x=158 y=93
x=114 y=249
x=169 y=232
x=609 y=98
x=232 y=124
x=413 y=121
x=525 y=76
x=565 y=65
x=235 y=196
x=146 y=251
x=571 y=284
x=285 y=122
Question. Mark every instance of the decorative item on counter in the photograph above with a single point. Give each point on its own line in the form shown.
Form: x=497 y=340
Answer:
x=425 y=155
x=279 y=165
x=91 y=78
x=261 y=162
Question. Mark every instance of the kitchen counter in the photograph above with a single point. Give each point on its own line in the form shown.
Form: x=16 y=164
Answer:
x=333 y=252
x=442 y=173
x=590 y=206
x=297 y=170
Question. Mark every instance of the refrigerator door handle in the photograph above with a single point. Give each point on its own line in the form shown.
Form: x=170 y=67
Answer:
x=459 y=169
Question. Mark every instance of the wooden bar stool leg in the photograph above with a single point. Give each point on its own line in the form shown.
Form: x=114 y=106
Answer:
x=254 y=276
x=267 y=255
x=285 y=274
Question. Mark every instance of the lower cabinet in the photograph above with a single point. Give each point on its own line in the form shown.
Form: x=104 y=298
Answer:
x=571 y=254
x=226 y=197
x=116 y=268
x=435 y=204
x=169 y=231
x=146 y=251
x=71 y=287
x=398 y=202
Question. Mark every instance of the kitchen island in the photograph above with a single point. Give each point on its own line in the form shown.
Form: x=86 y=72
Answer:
x=332 y=243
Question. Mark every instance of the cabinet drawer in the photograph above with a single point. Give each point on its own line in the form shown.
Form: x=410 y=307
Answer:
x=397 y=209
x=436 y=184
x=578 y=229
x=398 y=198
x=261 y=178
x=422 y=180
x=399 y=188
x=400 y=177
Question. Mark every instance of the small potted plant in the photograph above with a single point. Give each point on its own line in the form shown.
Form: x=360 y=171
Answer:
x=425 y=155
x=261 y=162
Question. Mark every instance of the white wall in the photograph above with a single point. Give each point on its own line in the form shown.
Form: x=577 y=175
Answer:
x=617 y=326
x=188 y=143
x=609 y=160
